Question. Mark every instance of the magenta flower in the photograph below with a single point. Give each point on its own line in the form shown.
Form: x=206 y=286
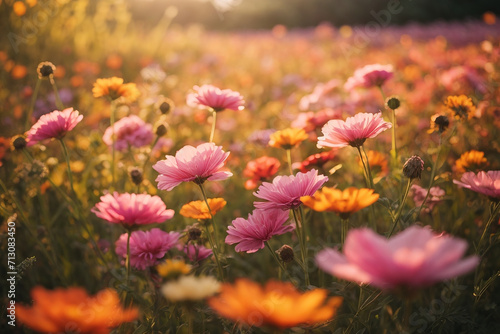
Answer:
x=197 y=164
x=260 y=227
x=353 y=131
x=196 y=253
x=130 y=131
x=435 y=197
x=486 y=183
x=53 y=125
x=414 y=258
x=285 y=191
x=369 y=76
x=147 y=248
x=132 y=209
x=215 y=98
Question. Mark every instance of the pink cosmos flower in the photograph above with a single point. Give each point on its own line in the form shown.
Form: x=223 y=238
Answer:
x=147 y=248
x=196 y=253
x=197 y=164
x=215 y=98
x=129 y=131
x=353 y=131
x=285 y=191
x=435 y=197
x=132 y=209
x=369 y=76
x=53 y=125
x=486 y=183
x=260 y=227
x=416 y=257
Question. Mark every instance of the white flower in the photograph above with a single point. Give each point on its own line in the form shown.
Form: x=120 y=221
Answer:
x=190 y=288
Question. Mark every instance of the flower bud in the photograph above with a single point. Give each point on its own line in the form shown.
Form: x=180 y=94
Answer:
x=19 y=143
x=442 y=122
x=413 y=167
x=136 y=175
x=166 y=106
x=393 y=102
x=193 y=233
x=285 y=253
x=161 y=130
x=45 y=69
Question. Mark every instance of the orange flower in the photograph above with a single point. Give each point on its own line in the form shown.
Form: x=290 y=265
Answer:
x=260 y=170
x=278 y=304
x=471 y=161
x=341 y=202
x=72 y=309
x=377 y=161
x=115 y=88
x=460 y=106
x=287 y=138
x=199 y=210
x=19 y=8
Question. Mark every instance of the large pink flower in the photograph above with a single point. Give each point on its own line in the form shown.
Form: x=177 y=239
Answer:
x=261 y=226
x=204 y=162
x=414 y=258
x=486 y=183
x=53 y=125
x=369 y=76
x=285 y=191
x=215 y=98
x=353 y=131
x=146 y=247
x=132 y=209
x=129 y=131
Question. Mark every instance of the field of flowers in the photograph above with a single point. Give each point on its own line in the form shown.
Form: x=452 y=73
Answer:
x=304 y=181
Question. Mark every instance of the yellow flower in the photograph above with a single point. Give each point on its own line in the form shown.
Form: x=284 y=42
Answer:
x=199 y=210
x=287 y=138
x=377 y=161
x=341 y=202
x=471 y=161
x=190 y=288
x=173 y=268
x=115 y=88
x=278 y=304
x=460 y=106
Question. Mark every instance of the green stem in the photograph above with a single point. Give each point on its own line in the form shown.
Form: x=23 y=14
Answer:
x=394 y=152
x=127 y=260
x=149 y=156
x=303 y=249
x=273 y=253
x=365 y=172
x=494 y=211
x=213 y=243
x=382 y=93
x=289 y=159
x=368 y=169
x=345 y=227
x=400 y=208
x=433 y=175
x=59 y=103
x=214 y=119
x=68 y=164
x=32 y=104
x=112 y=124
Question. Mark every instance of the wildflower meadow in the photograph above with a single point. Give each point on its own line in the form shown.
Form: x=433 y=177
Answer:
x=168 y=178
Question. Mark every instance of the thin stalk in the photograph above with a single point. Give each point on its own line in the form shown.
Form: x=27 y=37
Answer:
x=70 y=174
x=494 y=212
x=345 y=227
x=59 y=103
x=127 y=260
x=400 y=209
x=32 y=104
x=303 y=250
x=214 y=119
x=273 y=253
x=112 y=124
x=368 y=169
x=289 y=159
x=433 y=175
x=367 y=178
x=394 y=153
x=381 y=93
x=213 y=243
x=149 y=156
